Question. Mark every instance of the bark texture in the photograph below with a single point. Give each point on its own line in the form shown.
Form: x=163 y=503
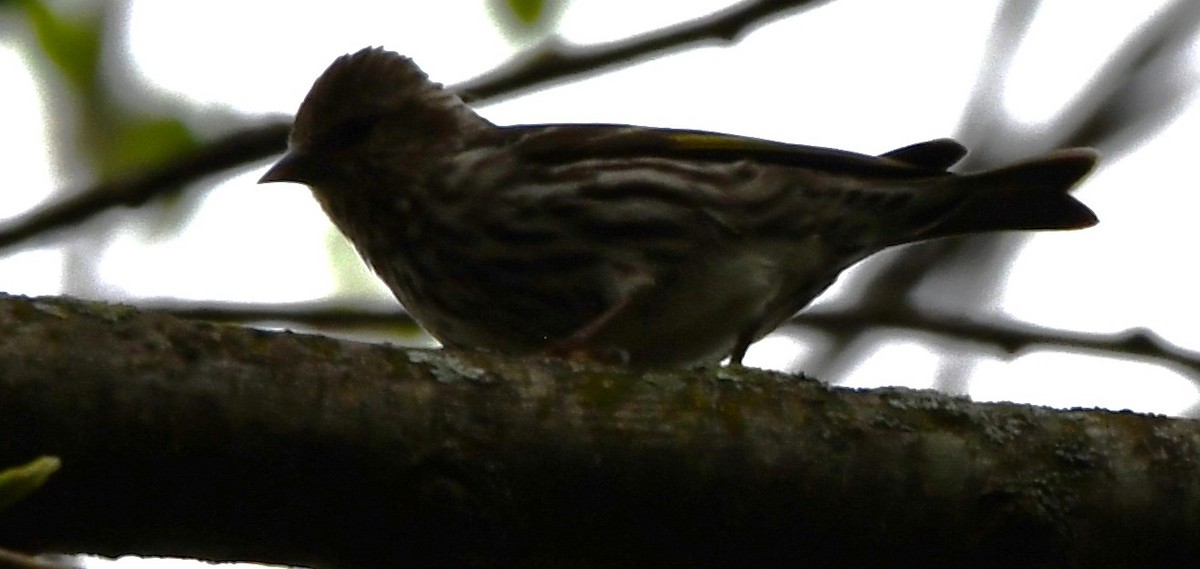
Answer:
x=192 y=439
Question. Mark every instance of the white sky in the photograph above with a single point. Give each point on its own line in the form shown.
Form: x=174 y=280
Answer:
x=865 y=75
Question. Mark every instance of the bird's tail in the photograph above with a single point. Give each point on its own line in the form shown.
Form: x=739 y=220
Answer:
x=1027 y=195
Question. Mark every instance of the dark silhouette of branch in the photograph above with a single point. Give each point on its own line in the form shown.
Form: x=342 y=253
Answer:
x=220 y=442
x=1130 y=97
x=556 y=60
x=260 y=141
x=1141 y=87
x=1133 y=94
x=1008 y=336
x=983 y=115
x=839 y=321
x=230 y=151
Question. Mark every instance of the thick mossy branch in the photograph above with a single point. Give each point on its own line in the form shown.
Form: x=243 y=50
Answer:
x=188 y=438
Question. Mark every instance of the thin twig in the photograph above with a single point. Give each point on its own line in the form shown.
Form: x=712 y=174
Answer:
x=230 y=151
x=258 y=142
x=983 y=113
x=556 y=60
x=1090 y=121
x=898 y=274
x=1140 y=87
x=1005 y=335
x=1008 y=336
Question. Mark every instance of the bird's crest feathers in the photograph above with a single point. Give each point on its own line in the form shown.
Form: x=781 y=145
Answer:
x=370 y=85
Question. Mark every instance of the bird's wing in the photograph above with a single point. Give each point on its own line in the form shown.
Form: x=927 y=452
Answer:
x=559 y=144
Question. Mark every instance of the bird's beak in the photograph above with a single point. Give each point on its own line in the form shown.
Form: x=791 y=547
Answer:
x=289 y=168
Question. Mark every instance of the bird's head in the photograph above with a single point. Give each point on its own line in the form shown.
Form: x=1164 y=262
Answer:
x=372 y=106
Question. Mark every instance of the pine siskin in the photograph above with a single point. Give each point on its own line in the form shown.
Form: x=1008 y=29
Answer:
x=654 y=246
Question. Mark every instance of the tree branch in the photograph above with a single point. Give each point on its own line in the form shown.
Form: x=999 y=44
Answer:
x=843 y=321
x=554 y=61
x=230 y=151
x=261 y=141
x=1142 y=80
x=1009 y=336
x=192 y=439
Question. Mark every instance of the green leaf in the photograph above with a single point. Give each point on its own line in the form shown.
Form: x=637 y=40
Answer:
x=72 y=45
x=140 y=143
x=20 y=481
x=526 y=11
x=527 y=21
x=145 y=141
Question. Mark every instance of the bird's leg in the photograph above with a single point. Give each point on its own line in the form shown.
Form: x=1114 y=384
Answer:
x=629 y=284
x=578 y=342
x=740 y=346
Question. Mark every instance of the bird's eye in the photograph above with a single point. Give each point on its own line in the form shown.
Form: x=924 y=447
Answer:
x=351 y=132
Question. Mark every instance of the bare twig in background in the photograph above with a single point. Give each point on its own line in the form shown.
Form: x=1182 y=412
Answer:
x=983 y=115
x=897 y=275
x=260 y=141
x=556 y=61
x=387 y=322
x=1118 y=102
x=1142 y=86
x=231 y=151
x=1011 y=337
x=1133 y=95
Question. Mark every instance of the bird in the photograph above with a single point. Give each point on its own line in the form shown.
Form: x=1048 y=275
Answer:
x=633 y=245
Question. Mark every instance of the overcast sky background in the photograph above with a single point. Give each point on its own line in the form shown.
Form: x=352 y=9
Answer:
x=864 y=75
